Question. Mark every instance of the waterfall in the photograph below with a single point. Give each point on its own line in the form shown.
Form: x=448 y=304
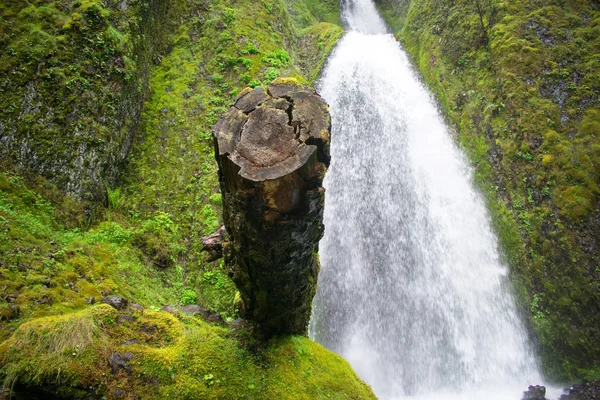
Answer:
x=412 y=289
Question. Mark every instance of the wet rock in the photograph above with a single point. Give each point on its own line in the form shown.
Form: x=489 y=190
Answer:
x=120 y=361
x=214 y=317
x=137 y=307
x=208 y=315
x=44 y=299
x=192 y=309
x=536 y=392
x=541 y=32
x=555 y=91
x=170 y=309
x=583 y=391
x=115 y=301
x=149 y=329
x=90 y=300
x=237 y=323
x=131 y=342
x=126 y=318
x=273 y=151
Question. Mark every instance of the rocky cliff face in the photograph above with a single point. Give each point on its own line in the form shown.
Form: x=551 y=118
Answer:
x=518 y=81
x=73 y=79
x=273 y=150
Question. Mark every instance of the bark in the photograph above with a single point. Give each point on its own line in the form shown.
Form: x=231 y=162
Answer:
x=273 y=151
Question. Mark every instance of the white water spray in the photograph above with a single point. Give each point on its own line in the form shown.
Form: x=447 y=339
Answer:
x=412 y=291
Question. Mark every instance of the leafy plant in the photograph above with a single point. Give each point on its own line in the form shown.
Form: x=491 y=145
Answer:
x=271 y=74
x=115 y=198
x=188 y=297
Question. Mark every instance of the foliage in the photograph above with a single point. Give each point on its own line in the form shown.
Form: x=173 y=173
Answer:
x=188 y=297
x=519 y=81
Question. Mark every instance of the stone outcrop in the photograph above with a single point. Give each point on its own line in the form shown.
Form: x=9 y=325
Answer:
x=583 y=391
x=71 y=117
x=272 y=148
x=536 y=392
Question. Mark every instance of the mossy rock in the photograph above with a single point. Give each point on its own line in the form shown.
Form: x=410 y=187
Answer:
x=156 y=355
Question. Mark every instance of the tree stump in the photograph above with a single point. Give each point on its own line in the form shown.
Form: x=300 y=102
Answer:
x=273 y=151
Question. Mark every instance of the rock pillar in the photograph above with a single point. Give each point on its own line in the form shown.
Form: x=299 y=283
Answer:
x=272 y=148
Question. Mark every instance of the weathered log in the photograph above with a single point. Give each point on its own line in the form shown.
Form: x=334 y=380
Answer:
x=273 y=151
x=213 y=244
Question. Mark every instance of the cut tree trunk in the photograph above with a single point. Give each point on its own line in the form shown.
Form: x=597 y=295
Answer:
x=273 y=151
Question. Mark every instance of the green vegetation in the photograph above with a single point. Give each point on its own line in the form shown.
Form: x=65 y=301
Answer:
x=157 y=355
x=83 y=217
x=519 y=81
x=48 y=269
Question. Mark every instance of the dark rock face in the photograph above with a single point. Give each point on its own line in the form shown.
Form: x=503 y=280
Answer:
x=81 y=145
x=273 y=151
x=583 y=391
x=208 y=315
x=535 y=393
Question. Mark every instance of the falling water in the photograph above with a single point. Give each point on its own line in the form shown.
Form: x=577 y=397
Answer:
x=412 y=290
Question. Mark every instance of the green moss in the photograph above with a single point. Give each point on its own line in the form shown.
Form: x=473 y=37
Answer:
x=316 y=42
x=287 y=81
x=172 y=356
x=73 y=78
x=57 y=258
x=48 y=269
x=517 y=79
x=62 y=346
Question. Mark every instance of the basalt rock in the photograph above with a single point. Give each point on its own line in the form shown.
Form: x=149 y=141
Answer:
x=272 y=148
x=583 y=391
x=535 y=393
x=116 y=302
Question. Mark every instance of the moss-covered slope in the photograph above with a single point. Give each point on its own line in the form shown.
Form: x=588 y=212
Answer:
x=519 y=81
x=145 y=354
x=83 y=82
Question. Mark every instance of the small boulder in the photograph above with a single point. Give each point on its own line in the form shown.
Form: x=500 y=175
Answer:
x=191 y=309
x=536 y=392
x=126 y=318
x=170 y=309
x=148 y=329
x=118 y=393
x=120 y=361
x=238 y=323
x=208 y=315
x=115 y=301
